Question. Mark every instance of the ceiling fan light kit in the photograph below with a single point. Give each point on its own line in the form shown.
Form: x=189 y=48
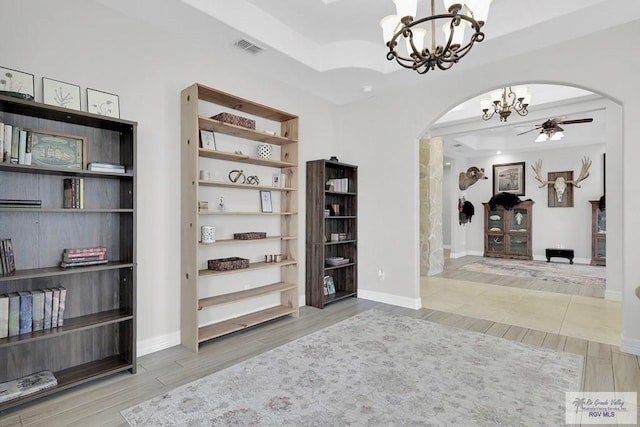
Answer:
x=504 y=101
x=551 y=130
x=446 y=48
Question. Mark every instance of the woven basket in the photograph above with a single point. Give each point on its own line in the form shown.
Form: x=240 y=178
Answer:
x=225 y=264
x=235 y=120
x=250 y=235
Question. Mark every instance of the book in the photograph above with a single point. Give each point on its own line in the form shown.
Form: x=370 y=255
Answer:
x=55 y=306
x=22 y=145
x=27 y=385
x=64 y=264
x=26 y=202
x=61 y=305
x=6 y=149
x=84 y=251
x=66 y=194
x=106 y=167
x=14 y=314
x=11 y=263
x=4 y=316
x=28 y=156
x=3 y=259
x=26 y=312
x=37 y=311
x=48 y=305
x=98 y=257
x=15 y=144
x=331 y=289
x=325 y=290
x=81 y=201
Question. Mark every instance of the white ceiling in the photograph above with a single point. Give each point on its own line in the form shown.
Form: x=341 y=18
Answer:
x=333 y=49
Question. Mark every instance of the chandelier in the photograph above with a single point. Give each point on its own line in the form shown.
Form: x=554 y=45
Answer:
x=447 y=48
x=505 y=101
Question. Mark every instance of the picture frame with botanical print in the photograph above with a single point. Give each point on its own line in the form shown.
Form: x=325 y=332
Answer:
x=509 y=178
x=265 y=201
x=103 y=103
x=60 y=94
x=16 y=83
x=58 y=150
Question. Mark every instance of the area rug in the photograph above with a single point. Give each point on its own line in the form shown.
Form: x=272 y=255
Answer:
x=378 y=369
x=578 y=274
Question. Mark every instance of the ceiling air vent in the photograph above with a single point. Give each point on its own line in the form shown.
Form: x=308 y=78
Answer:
x=457 y=145
x=247 y=46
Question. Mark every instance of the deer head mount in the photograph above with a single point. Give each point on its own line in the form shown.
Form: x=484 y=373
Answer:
x=470 y=177
x=560 y=184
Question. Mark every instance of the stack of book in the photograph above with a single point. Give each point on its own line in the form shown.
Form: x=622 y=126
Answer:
x=15 y=145
x=7 y=262
x=73 y=193
x=26 y=385
x=79 y=257
x=106 y=167
x=20 y=203
x=338 y=185
x=203 y=206
x=336 y=260
x=24 y=312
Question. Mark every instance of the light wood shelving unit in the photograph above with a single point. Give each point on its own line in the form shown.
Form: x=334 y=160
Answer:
x=195 y=275
x=99 y=333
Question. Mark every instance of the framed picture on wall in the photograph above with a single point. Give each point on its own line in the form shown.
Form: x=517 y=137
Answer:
x=265 y=201
x=16 y=83
x=509 y=178
x=103 y=103
x=60 y=94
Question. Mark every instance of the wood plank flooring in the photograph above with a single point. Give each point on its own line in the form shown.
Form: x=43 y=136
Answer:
x=99 y=402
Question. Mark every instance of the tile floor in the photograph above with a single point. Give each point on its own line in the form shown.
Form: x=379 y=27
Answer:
x=593 y=319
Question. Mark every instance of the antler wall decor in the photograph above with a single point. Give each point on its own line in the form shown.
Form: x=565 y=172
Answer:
x=561 y=182
x=470 y=177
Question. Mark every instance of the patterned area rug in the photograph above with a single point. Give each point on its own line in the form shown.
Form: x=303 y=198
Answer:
x=378 y=369
x=578 y=274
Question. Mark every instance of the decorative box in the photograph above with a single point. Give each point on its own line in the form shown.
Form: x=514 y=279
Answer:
x=235 y=120
x=250 y=235
x=226 y=264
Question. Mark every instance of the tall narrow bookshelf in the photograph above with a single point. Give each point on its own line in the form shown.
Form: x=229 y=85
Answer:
x=332 y=232
x=98 y=336
x=216 y=303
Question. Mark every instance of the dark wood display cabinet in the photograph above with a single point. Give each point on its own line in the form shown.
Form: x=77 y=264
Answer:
x=507 y=232
x=98 y=336
x=598 y=234
x=332 y=232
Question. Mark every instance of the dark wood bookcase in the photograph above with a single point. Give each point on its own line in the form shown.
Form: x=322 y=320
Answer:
x=507 y=233
x=99 y=333
x=598 y=234
x=332 y=211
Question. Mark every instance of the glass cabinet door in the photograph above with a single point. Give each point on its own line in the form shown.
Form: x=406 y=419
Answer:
x=601 y=248
x=518 y=219
x=495 y=221
x=495 y=244
x=518 y=245
x=601 y=221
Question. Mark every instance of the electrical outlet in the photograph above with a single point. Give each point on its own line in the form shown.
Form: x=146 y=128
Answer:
x=380 y=274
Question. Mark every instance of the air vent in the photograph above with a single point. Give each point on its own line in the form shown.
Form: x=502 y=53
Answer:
x=247 y=46
x=457 y=145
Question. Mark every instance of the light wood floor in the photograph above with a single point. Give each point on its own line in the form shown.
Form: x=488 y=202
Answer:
x=99 y=402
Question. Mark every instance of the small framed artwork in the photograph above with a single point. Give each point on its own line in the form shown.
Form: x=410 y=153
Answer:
x=207 y=139
x=16 y=83
x=509 y=178
x=103 y=103
x=61 y=94
x=265 y=201
x=57 y=150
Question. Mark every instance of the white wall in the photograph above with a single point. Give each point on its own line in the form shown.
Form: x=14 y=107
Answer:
x=94 y=47
x=551 y=227
x=568 y=63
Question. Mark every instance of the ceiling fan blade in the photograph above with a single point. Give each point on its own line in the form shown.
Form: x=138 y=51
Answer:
x=570 y=122
x=530 y=130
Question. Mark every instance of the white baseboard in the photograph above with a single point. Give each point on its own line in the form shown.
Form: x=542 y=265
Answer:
x=151 y=345
x=613 y=295
x=457 y=254
x=383 y=297
x=475 y=253
x=630 y=345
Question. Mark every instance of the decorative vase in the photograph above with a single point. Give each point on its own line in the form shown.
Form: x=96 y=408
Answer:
x=264 y=151
x=208 y=234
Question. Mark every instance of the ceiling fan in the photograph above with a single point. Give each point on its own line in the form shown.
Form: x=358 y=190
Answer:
x=551 y=129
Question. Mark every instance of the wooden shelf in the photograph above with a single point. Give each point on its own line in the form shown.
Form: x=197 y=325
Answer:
x=252 y=266
x=338 y=296
x=71 y=325
x=34 y=273
x=341 y=217
x=336 y=267
x=246 y=213
x=341 y=193
x=341 y=242
x=65 y=211
x=242 y=322
x=234 y=241
x=30 y=169
x=244 y=186
x=240 y=132
x=77 y=375
x=247 y=293
x=243 y=158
